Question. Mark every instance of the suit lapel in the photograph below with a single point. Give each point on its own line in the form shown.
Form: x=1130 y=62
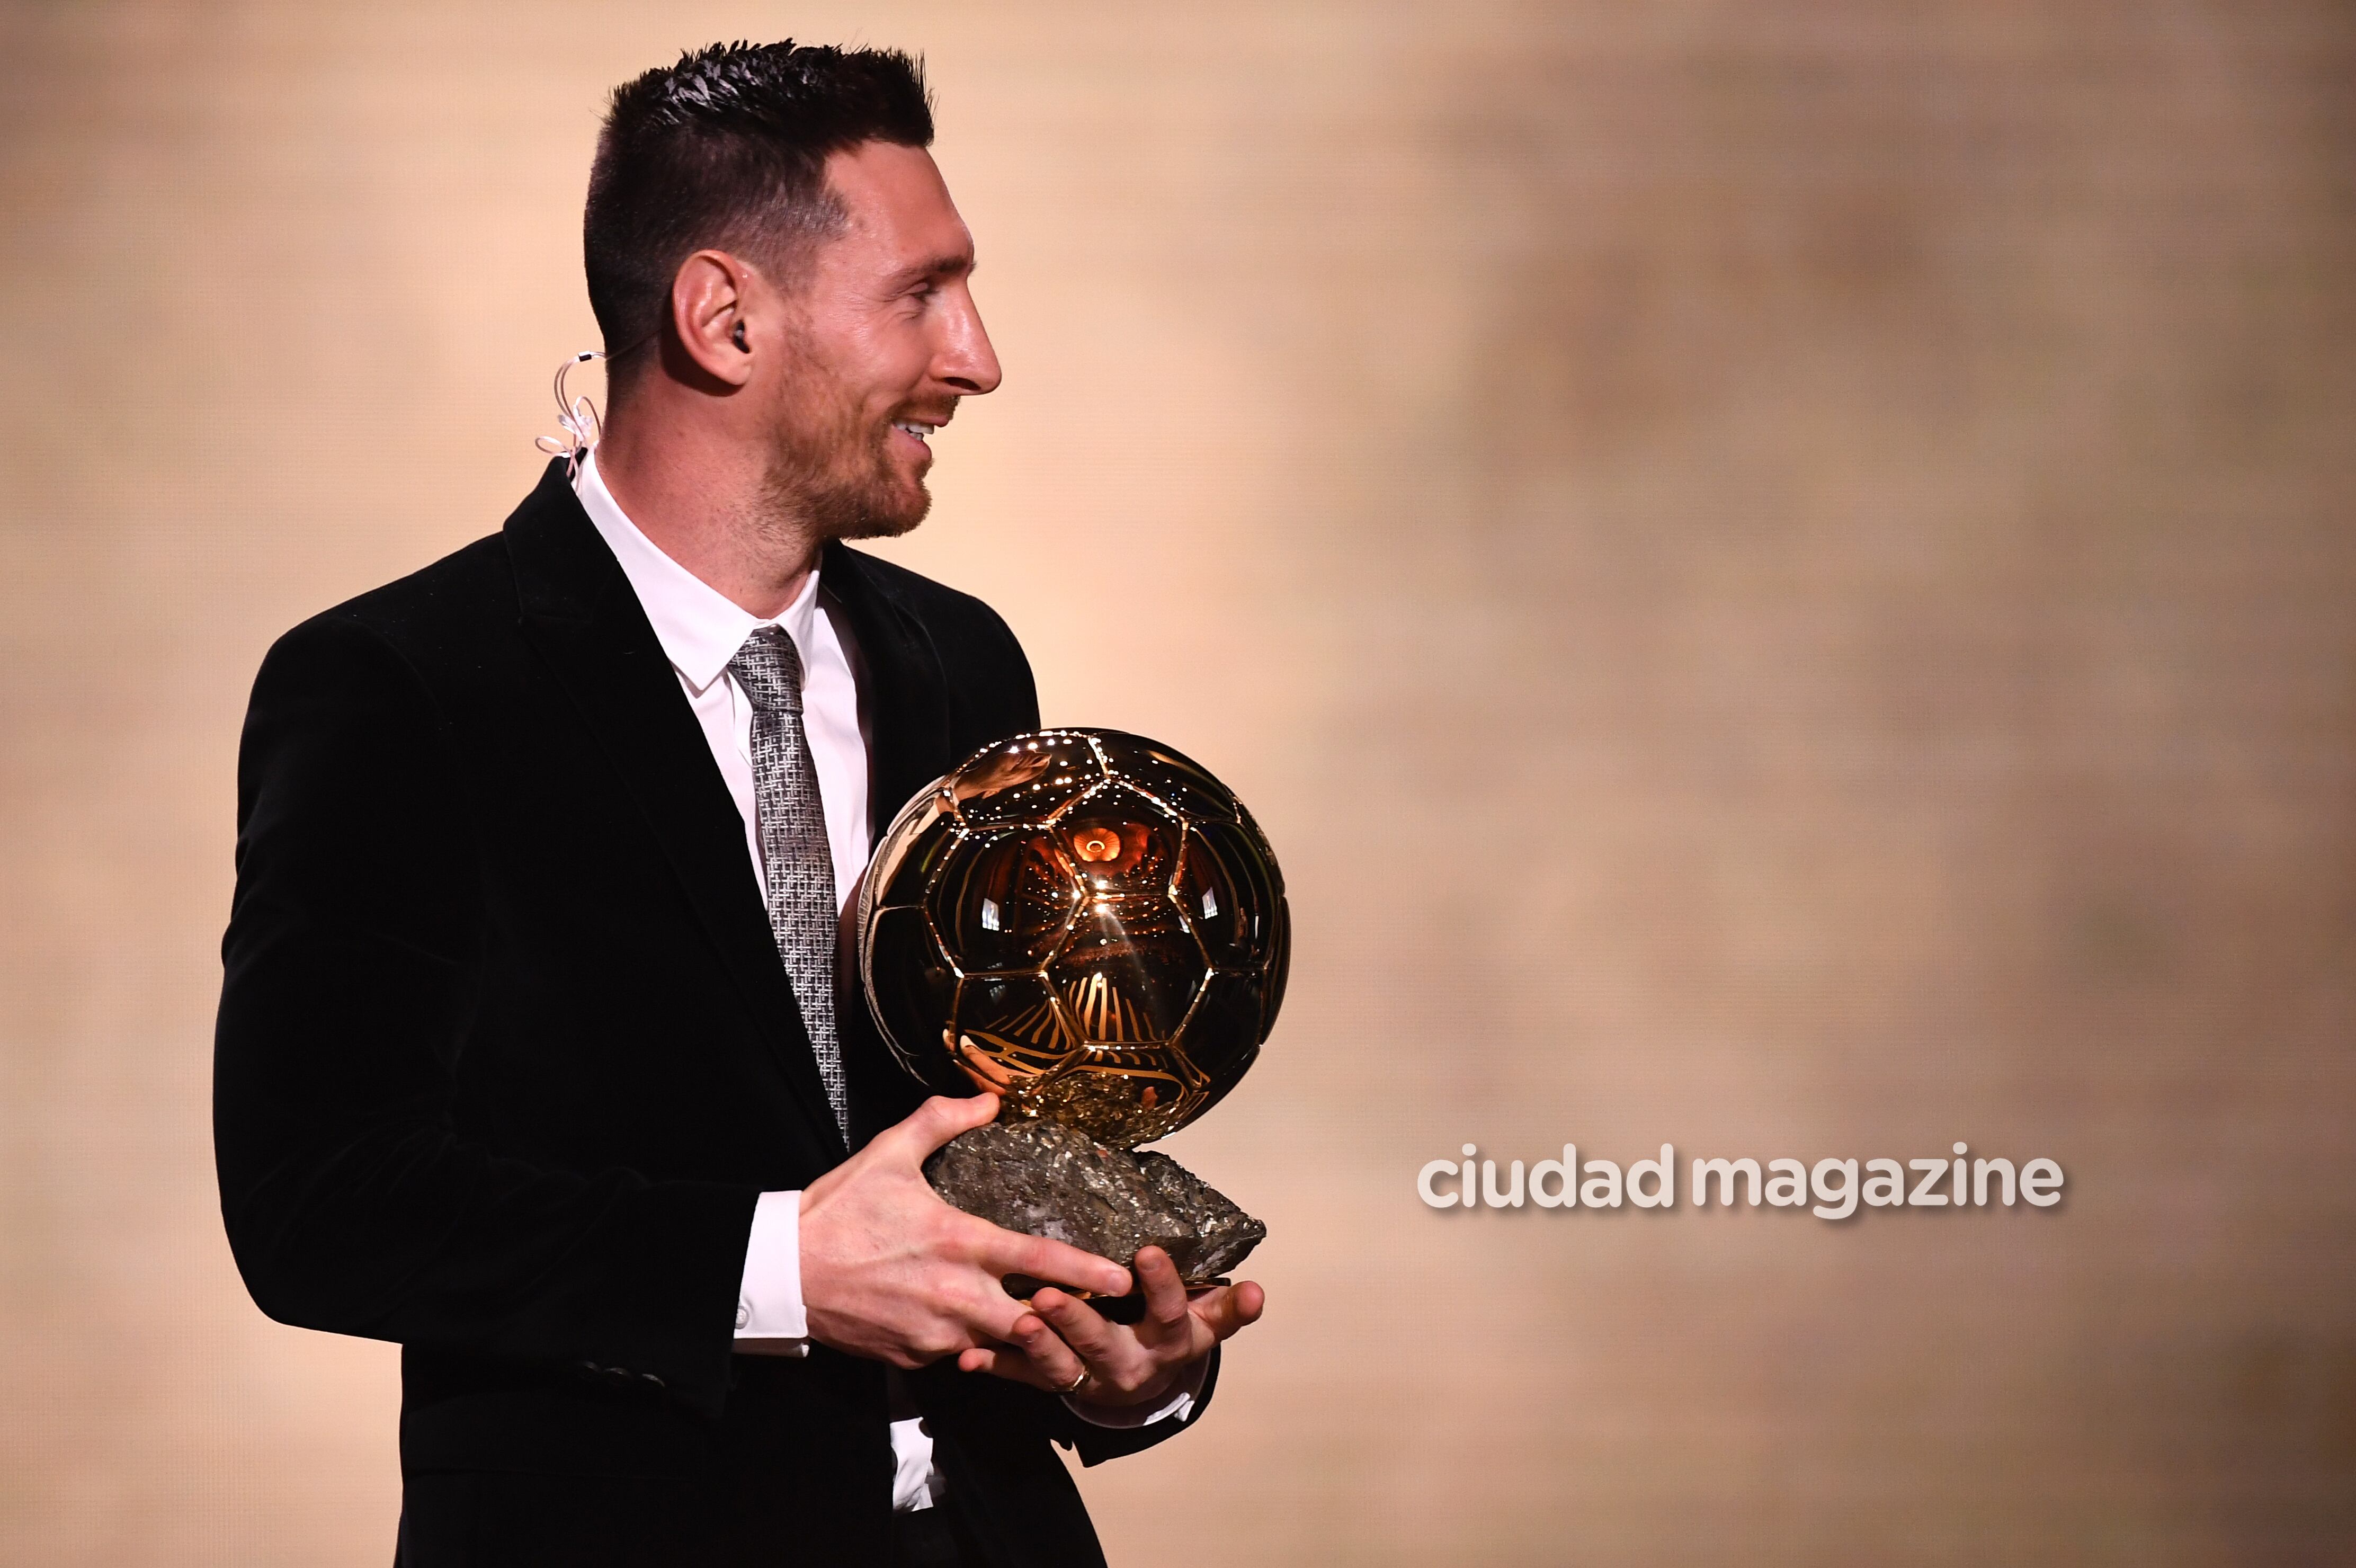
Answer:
x=904 y=707
x=578 y=609
x=902 y=695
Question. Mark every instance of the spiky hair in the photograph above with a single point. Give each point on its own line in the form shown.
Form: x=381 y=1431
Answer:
x=727 y=149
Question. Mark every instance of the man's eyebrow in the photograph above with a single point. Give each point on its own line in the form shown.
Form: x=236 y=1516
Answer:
x=949 y=264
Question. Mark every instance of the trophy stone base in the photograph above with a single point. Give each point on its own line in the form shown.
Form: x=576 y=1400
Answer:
x=1043 y=1178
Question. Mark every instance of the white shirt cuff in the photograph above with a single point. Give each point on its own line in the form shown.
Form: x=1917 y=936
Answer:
x=1181 y=1403
x=769 y=1316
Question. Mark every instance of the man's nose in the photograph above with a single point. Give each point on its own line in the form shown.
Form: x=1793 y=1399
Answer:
x=967 y=362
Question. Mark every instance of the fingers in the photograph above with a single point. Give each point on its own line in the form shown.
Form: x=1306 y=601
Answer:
x=1165 y=1292
x=1035 y=1357
x=1010 y=1252
x=1059 y=1363
x=1080 y=1327
x=1011 y=1365
x=991 y=1315
x=1123 y=1364
x=932 y=1123
x=1227 y=1308
x=1050 y=1346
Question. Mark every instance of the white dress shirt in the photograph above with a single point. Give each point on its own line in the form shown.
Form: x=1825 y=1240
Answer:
x=700 y=630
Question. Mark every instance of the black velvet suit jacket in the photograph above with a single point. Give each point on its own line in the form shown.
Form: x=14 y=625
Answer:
x=506 y=1054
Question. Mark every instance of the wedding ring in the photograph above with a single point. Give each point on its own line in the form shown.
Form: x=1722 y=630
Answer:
x=1075 y=1387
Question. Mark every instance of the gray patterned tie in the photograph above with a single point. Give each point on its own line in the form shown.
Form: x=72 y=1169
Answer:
x=794 y=847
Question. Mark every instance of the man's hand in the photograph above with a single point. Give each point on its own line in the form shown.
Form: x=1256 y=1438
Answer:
x=1050 y=1346
x=892 y=1273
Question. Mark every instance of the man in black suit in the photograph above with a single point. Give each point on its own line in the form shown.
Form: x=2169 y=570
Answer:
x=529 y=1057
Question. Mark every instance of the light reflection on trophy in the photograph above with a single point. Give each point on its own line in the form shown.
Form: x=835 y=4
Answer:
x=1090 y=925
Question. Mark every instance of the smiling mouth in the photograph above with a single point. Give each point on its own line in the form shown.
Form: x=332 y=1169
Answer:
x=914 y=428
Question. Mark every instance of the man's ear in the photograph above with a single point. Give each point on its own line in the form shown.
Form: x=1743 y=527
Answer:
x=710 y=299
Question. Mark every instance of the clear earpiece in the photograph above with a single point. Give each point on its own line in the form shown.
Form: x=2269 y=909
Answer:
x=576 y=418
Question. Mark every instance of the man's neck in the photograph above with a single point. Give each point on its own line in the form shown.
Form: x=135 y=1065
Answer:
x=703 y=503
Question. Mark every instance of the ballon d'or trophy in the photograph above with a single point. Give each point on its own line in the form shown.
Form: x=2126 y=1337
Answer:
x=1091 y=926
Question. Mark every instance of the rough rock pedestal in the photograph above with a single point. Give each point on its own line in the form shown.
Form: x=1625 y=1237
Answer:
x=1043 y=1178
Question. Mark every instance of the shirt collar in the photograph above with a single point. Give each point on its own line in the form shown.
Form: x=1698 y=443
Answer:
x=699 y=628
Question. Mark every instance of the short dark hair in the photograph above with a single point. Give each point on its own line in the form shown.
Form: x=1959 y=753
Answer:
x=727 y=149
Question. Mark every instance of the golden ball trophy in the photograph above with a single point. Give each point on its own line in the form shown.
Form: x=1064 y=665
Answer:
x=1091 y=926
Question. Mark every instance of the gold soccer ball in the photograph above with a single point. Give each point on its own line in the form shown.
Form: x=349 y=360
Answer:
x=1086 y=922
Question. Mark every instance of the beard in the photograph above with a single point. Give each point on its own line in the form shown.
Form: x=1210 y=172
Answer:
x=833 y=467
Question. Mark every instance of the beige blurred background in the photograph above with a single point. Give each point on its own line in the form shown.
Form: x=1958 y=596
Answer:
x=1781 y=576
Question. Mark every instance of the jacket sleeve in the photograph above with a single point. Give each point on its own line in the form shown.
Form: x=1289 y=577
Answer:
x=352 y=962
